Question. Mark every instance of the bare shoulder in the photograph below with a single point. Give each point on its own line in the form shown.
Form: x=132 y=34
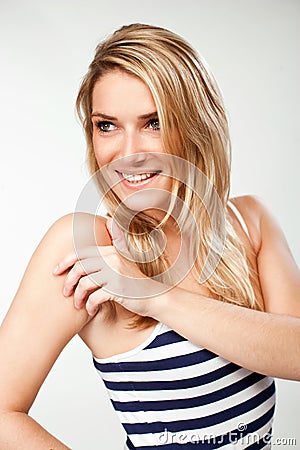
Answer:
x=254 y=211
x=39 y=287
x=250 y=203
x=248 y=206
x=278 y=272
x=87 y=229
x=41 y=321
x=40 y=292
x=59 y=241
x=65 y=226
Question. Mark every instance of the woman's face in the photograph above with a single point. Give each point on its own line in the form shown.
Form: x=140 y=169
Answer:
x=127 y=140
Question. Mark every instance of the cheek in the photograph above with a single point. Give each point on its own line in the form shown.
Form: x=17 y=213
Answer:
x=104 y=148
x=99 y=151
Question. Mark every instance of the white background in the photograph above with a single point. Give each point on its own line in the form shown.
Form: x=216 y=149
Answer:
x=253 y=49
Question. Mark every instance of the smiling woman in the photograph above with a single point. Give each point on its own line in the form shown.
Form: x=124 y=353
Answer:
x=120 y=132
x=170 y=349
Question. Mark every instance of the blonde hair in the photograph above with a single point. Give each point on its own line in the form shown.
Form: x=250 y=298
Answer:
x=194 y=127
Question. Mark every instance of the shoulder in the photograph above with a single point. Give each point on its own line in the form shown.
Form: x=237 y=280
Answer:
x=260 y=219
x=40 y=290
x=250 y=207
x=41 y=320
x=67 y=228
x=279 y=275
x=249 y=202
x=70 y=232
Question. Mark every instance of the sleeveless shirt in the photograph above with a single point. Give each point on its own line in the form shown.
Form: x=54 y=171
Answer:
x=171 y=394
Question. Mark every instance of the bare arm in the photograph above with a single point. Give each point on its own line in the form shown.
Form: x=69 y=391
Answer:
x=37 y=327
x=266 y=342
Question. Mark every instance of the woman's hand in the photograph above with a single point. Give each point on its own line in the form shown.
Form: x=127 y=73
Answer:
x=102 y=273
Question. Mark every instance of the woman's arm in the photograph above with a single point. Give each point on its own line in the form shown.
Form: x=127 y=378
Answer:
x=266 y=342
x=36 y=328
x=279 y=275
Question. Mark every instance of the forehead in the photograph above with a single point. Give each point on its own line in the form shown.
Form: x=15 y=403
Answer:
x=120 y=91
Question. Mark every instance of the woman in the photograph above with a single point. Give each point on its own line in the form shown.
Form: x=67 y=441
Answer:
x=171 y=290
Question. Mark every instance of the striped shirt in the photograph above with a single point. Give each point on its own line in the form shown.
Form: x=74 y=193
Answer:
x=172 y=394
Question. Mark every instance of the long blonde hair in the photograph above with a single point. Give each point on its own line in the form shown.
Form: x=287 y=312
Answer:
x=194 y=127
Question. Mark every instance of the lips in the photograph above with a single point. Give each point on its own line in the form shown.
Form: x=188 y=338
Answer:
x=137 y=179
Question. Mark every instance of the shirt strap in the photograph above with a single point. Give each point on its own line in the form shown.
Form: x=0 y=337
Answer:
x=240 y=218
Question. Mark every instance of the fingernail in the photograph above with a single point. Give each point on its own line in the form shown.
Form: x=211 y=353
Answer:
x=66 y=291
x=56 y=269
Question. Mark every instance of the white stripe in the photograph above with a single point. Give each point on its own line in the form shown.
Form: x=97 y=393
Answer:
x=168 y=374
x=160 y=328
x=215 y=430
x=127 y=396
x=195 y=412
x=181 y=348
x=240 y=218
x=251 y=438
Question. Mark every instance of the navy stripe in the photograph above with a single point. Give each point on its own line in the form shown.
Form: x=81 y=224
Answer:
x=202 y=422
x=173 y=362
x=252 y=427
x=131 y=446
x=218 y=441
x=173 y=384
x=163 y=405
x=165 y=339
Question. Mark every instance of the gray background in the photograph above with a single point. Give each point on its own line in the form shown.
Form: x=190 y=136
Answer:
x=253 y=49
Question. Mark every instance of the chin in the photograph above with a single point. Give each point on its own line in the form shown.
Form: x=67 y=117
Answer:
x=147 y=199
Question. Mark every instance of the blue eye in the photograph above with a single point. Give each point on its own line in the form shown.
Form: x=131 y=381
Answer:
x=154 y=124
x=105 y=126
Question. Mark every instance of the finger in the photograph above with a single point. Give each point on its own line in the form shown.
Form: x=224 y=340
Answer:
x=95 y=300
x=70 y=259
x=117 y=237
x=64 y=264
x=85 y=287
x=80 y=269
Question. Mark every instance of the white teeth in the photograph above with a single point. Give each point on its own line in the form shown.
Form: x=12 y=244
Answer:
x=137 y=177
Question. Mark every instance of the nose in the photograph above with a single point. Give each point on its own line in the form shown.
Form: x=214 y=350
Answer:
x=133 y=149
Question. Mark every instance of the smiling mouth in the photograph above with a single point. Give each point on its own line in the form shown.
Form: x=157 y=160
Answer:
x=137 y=178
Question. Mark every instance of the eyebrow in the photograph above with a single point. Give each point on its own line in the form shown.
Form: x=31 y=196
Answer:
x=105 y=116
